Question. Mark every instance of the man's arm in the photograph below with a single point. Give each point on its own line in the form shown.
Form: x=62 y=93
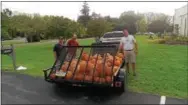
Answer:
x=136 y=46
x=121 y=46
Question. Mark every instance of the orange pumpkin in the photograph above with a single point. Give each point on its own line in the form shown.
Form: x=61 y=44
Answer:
x=108 y=64
x=108 y=71
x=99 y=58
x=99 y=67
x=90 y=67
x=99 y=61
x=88 y=78
x=85 y=56
x=110 y=60
x=69 y=75
x=96 y=74
x=72 y=68
x=74 y=61
x=78 y=77
x=93 y=61
x=117 y=63
x=82 y=67
x=108 y=79
x=96 y=79
x=102 y=80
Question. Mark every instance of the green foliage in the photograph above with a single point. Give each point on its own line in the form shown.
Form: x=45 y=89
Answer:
x=128 y=20
x=98 y=27
x=142 y=25
x=34 y=26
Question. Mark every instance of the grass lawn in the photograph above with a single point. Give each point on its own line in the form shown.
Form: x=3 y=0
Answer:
x=162 y=69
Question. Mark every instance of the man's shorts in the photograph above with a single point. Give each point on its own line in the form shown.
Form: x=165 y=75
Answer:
x=130 y=57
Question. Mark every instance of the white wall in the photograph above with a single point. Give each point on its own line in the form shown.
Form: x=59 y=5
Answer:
x=181 y=18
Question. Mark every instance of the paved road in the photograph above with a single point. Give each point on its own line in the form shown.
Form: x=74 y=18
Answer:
x=23 y=89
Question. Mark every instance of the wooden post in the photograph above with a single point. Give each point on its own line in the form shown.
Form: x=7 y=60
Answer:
x=13 y=57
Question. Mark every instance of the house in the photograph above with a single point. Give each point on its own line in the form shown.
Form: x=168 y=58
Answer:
x=180 y=21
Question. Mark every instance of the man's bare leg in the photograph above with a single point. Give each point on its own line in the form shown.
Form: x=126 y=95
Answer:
x=127 y=66
x=133 y=68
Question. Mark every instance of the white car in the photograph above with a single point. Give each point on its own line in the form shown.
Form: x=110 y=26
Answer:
x=114 y=36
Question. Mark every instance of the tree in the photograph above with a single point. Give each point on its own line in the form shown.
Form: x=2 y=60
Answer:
x=142 y=25
x=156 y=26
x=161 y=24
x=84 y=18
x=95 y=15
x=113 y=21
x=128 y=20
x=5 y=23
x=98 y=27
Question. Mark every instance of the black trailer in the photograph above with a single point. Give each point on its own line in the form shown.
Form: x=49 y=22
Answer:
x=119 y=78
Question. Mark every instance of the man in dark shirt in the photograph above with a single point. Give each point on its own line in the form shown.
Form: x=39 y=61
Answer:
x=57 y=48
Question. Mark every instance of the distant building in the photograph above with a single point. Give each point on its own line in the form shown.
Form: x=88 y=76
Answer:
x=181 y=21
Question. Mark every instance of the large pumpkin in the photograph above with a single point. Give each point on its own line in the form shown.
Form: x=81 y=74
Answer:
x=69 y=75
x=74 y=61
x=102 y=80
x=110 y=60
x=108 y=71
x=88 y=78
x=72 y=68
x=85 y=56
x=93 y=61
x=108 y=79
x=108 y=63
x=99 y=61
x=96 y=79
x=118 y=58
x=117 y=63
x=96 y=74
x=82 y=66
x=99 y=67
x=78 y=77
x=89 y=68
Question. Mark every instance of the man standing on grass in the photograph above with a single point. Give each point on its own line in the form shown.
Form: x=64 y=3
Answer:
x=57 y=49
x=128 y=44
x=72 y=42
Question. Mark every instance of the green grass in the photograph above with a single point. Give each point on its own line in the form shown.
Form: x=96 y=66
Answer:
x=162 y=69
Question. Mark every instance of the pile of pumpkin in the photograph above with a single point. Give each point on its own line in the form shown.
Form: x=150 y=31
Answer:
x=102 y=73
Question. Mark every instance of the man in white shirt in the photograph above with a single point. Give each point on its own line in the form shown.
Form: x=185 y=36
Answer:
x=128 y=44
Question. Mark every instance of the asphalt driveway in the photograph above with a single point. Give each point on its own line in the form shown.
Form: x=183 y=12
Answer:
x=24 y=89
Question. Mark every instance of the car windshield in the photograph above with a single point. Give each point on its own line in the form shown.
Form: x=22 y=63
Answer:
x=113 y=35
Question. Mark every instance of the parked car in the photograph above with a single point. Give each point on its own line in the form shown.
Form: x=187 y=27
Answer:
x=114 y=36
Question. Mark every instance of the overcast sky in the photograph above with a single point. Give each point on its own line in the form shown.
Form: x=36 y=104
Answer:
x=72 y=9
